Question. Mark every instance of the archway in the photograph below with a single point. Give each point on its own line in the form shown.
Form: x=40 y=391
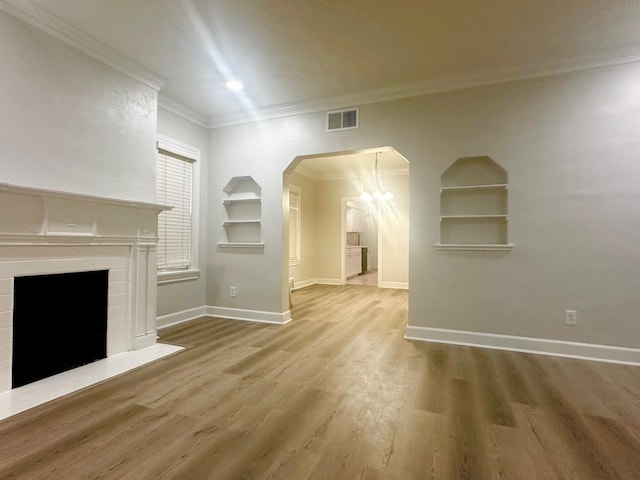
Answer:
x=316 y=188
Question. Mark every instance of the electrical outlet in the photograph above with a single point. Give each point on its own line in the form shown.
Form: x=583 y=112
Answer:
x=233 y=292
x=571 y=317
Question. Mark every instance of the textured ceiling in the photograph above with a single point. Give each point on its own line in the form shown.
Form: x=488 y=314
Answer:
x=303 y=54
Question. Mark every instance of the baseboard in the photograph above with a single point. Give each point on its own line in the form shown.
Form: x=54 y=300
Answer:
x=328 y=281
x=398 y=285
x=249 y=315
x=144 y=341
x=542 y=346
x=304 y=283
x=180 y=317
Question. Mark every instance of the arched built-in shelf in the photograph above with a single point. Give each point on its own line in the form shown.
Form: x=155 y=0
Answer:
x=243 y=207
x=474 y=206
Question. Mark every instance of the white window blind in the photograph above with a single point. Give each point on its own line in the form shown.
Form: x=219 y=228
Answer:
x=174 y=188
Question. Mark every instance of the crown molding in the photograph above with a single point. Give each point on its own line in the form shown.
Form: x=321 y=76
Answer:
x=177 y=108
x=52 y=25
x=415 y=89
x=304 y=171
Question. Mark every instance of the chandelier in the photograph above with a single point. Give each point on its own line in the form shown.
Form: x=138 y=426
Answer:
x=376 y=193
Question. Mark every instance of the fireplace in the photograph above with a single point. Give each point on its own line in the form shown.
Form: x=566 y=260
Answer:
x=48 y=233
x=59 y=323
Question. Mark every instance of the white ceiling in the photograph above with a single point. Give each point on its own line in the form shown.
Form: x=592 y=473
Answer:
x=297 y=55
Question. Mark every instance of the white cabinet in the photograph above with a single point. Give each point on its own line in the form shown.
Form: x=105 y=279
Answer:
x=353 y=261
x=354 y=221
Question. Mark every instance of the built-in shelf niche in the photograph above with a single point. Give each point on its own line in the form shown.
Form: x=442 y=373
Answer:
x=242 y=226
x=474 y=206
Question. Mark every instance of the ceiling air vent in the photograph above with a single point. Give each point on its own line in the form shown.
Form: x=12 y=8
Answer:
x=342 y=119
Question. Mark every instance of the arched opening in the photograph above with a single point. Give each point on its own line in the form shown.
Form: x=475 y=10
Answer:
x=332 y=233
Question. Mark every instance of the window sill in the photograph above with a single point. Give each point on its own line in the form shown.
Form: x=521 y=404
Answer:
x=178 y=276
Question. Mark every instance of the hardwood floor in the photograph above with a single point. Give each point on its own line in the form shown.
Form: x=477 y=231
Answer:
x=336 y=394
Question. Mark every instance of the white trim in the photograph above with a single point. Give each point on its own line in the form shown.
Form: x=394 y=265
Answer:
x=176 y=318
x=425 y=87
x=499 y=247
x=398 y=285
x=52 y=25
x=177 y=148
x=248 y=315
x=328 y=281
x=144 y=341
x=178 y=276
x=542 y=346
x=241 y=244
x=27 y=190
x=182 y=111
x=185 y=150
x=304 y=283
x=297 y=260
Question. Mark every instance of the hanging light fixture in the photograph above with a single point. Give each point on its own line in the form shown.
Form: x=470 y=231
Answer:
x=377 y=192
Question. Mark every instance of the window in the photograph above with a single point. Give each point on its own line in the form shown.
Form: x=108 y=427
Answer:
x=294 y=225
x=174 y=187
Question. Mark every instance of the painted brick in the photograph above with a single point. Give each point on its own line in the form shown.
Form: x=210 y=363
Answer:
x=6 y=303
x=6 y=286
x=6 y=319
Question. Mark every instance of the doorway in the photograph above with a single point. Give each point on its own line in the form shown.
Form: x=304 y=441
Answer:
x=315 y=220
x=360 y=230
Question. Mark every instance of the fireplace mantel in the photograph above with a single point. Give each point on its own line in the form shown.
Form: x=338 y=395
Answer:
x=47 y=232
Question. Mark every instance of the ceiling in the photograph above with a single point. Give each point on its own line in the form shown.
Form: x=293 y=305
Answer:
x=297 y=55
x=300 y=55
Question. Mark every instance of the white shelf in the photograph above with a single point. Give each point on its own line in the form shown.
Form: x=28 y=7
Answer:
x=475 y=246
x=474 y=205
x=229 y=201
x=475 y=187
x=466 y=217
x=227 y=223
x=242 y=244
x=242 y=226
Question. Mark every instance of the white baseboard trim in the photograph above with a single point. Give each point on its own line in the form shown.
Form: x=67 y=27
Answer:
x=542 y=346
x=249 y=315
x=144 y=341
x=328 y=281
x=180 y=317
x=304 y=283
x=398 y=285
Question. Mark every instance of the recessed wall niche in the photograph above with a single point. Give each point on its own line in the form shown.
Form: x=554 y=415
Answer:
x=474 y=206
x=242 y=226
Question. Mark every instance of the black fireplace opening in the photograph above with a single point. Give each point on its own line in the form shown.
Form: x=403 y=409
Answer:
x=59 y=323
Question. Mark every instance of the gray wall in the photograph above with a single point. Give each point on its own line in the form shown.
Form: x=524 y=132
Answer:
x=71 y=123
x=570 y=145
x=188 y=294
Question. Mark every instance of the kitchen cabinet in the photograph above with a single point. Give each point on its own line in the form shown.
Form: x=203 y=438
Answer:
x=354 y=220
x=353 y=261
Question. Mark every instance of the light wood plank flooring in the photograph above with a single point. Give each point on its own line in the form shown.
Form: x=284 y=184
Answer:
x=336 y=394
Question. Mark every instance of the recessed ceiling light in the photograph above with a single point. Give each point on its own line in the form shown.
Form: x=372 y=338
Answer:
x=235 y=85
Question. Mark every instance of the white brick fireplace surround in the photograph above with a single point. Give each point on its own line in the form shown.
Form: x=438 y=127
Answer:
x=47 y=232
